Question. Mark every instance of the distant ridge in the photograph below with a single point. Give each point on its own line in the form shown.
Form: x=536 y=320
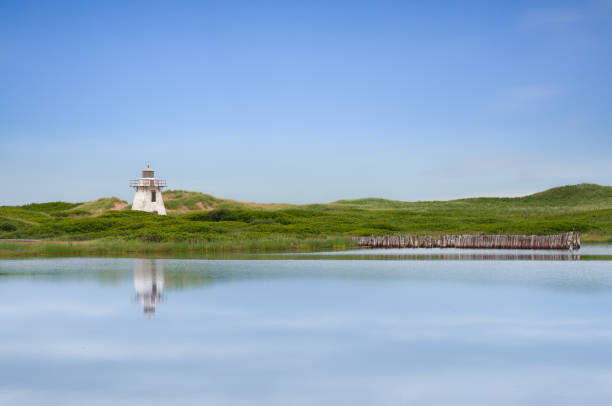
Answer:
x=574 y=194
x=584 y=195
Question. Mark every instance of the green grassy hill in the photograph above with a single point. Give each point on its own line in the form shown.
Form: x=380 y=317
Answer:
x=181 y=201
x=204 y=219
x=583 y=197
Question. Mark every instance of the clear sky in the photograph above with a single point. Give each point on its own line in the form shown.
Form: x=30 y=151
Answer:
x=304 y=101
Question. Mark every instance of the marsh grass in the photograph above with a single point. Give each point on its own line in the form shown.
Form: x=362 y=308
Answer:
x=174 y=248
x=232 y=226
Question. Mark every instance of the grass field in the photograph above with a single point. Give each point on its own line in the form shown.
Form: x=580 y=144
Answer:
x=202 y=223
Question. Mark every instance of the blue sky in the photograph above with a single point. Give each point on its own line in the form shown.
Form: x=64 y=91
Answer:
x=307 y=101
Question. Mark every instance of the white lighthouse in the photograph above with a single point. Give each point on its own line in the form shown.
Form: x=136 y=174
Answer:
x=148 y=195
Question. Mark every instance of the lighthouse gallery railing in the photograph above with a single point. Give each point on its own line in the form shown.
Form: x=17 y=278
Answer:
x=148 y=182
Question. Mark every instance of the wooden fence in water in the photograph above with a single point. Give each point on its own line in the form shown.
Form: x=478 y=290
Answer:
x=563 y=241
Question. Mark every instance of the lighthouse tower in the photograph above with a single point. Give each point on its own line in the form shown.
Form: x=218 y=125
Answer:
x=148 y=195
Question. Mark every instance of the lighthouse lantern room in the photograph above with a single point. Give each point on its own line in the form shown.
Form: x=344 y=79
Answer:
x=148 y=195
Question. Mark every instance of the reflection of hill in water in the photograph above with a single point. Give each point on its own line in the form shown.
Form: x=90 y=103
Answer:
x=111 y=271
x=578 y=276
x=180 y=279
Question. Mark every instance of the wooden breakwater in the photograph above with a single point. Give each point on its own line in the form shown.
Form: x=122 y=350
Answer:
x=563 y=241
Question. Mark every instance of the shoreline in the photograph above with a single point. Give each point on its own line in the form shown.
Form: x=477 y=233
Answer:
x=20 y=248
x=61 y=248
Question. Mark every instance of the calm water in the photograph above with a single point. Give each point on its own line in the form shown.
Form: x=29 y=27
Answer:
x=299 y=331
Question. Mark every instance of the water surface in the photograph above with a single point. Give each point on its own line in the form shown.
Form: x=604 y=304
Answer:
x=302 y=332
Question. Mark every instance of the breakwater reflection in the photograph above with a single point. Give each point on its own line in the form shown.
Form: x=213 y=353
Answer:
x=457 y=254
x=459 y=257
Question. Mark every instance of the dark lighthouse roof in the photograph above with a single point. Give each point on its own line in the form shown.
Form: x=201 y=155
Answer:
x=147 y=172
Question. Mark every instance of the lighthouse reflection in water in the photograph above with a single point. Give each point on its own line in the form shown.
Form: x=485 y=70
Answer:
x=149 y=284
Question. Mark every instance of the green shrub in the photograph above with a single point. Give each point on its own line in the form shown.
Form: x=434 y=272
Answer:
x=199 y=216
x=220 y=215
x=49 y=207
x=8 y=227
x=266 y=221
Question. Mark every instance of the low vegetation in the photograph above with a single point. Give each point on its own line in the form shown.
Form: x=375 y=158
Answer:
x=200 y=222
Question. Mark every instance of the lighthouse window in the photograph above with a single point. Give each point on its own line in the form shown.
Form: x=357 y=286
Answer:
x=153 y=196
